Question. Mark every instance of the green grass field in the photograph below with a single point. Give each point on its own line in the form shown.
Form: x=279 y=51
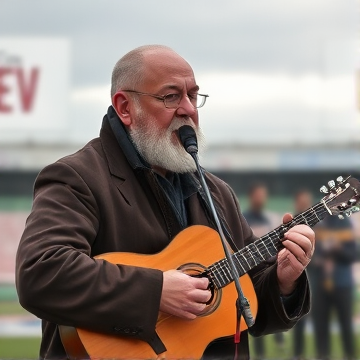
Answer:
x=16 y=347
x=19 y=348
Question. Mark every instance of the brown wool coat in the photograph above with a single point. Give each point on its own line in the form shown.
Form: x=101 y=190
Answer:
x=92 y=202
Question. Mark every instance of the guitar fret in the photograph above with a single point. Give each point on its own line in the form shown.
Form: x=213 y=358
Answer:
x=243 y=271
x=214 y=275
x=266 y=244
x=226 y=271
x=224 y=279
x=259 y=251
x=249 y=267
x=254 y=252
x=304 y=220
x=251 y=254
x=263 y=248
x=221 y=273
x=313 y=210
x=247 y=257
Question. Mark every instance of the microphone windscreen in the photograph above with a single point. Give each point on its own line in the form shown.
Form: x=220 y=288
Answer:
x=187 y=137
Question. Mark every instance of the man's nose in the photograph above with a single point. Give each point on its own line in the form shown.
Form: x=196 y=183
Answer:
x=186 y=108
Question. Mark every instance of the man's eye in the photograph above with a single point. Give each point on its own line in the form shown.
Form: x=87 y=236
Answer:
x=172 y=97
x=193 y=96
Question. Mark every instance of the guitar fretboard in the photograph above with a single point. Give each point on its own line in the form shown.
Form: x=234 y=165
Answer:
x=263 y=248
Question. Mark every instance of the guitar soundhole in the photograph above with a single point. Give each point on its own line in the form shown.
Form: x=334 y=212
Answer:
x=198 y=270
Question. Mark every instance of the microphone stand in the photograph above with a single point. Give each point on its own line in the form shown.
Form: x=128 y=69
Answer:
x=188 y=138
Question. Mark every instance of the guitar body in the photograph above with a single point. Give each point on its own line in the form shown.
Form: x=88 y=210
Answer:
x=194 y=248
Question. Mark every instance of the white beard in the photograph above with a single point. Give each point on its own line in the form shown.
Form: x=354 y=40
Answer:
x=158 y=147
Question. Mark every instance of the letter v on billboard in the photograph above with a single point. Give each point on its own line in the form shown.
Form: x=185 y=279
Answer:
x=34 y=88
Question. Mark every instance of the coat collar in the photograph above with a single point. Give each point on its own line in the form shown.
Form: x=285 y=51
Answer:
x=117 y=145
x=117 y=128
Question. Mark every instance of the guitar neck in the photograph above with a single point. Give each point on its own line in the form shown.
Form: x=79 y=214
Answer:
x=263 y=248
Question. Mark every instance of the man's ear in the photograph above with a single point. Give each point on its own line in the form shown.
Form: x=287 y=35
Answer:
x=121 y=104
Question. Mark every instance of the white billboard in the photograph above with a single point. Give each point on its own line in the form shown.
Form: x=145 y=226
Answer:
x=34 y=88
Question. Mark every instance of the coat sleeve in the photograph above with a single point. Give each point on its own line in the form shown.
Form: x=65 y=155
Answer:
x=58 y=279
x=272 y=313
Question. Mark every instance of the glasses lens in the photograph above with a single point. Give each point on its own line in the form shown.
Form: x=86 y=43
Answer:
x=172 y=100
x=200 y=100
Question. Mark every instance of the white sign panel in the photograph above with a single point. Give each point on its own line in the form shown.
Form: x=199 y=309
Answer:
x=34 y=87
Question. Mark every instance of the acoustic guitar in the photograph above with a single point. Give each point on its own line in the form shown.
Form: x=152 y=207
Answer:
x=197 y=251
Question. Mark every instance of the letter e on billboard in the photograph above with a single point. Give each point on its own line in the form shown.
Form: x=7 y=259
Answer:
x=34 y=87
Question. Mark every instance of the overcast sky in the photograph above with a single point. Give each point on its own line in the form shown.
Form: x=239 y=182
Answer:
x=275 y=70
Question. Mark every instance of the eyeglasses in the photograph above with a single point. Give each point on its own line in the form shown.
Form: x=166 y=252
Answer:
x=172 y=101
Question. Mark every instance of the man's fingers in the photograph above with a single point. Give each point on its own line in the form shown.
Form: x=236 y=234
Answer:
x=201 y=283
x=303 y=236
x=201 y=296
x=183 y=295
x=287 y=218
x=196 y=308
x=299 y=253
x=300 y=244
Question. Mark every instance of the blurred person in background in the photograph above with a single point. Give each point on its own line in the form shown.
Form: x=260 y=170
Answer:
x=303 y=200
x=332 y=282
x=261 y=222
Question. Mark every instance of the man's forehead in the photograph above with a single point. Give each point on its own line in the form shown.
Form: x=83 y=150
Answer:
x=167 y=64
x=189 y=85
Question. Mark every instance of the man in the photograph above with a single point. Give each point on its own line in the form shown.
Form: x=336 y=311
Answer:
x=133 y=189
x=260 y=220
x=303 y=201
x=333 y=285
x=261 y=223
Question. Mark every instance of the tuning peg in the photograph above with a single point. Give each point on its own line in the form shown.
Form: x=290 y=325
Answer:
x=331 y=184
x=339 y=180
x=324 y=190
x=352 y=202
x=348 y=213
x=343 y=206
x=341 y=217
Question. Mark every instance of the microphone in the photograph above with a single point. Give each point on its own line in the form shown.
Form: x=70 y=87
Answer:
x=188 y=139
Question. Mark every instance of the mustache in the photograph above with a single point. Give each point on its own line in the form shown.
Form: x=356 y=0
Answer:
x=178 y=122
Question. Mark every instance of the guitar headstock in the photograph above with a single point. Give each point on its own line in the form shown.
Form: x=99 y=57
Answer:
x=343 y=196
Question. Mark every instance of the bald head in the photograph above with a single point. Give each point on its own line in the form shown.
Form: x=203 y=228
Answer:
x=130 y=70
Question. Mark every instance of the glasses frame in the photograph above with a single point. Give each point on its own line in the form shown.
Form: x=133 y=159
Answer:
x=163 y=98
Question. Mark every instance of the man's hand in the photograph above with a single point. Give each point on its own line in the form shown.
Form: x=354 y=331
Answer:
x=299 y=246
x=182 y=295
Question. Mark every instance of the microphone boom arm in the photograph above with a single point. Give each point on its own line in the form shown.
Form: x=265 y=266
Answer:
x=188 y=139
x=242 y=301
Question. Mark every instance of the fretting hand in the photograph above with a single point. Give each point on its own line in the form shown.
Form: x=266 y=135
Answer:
x=299 y=243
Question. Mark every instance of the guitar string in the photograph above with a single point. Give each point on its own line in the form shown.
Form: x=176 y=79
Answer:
x=296 y=220
x=265 y=241
x=249 y=250
x=222 y=265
